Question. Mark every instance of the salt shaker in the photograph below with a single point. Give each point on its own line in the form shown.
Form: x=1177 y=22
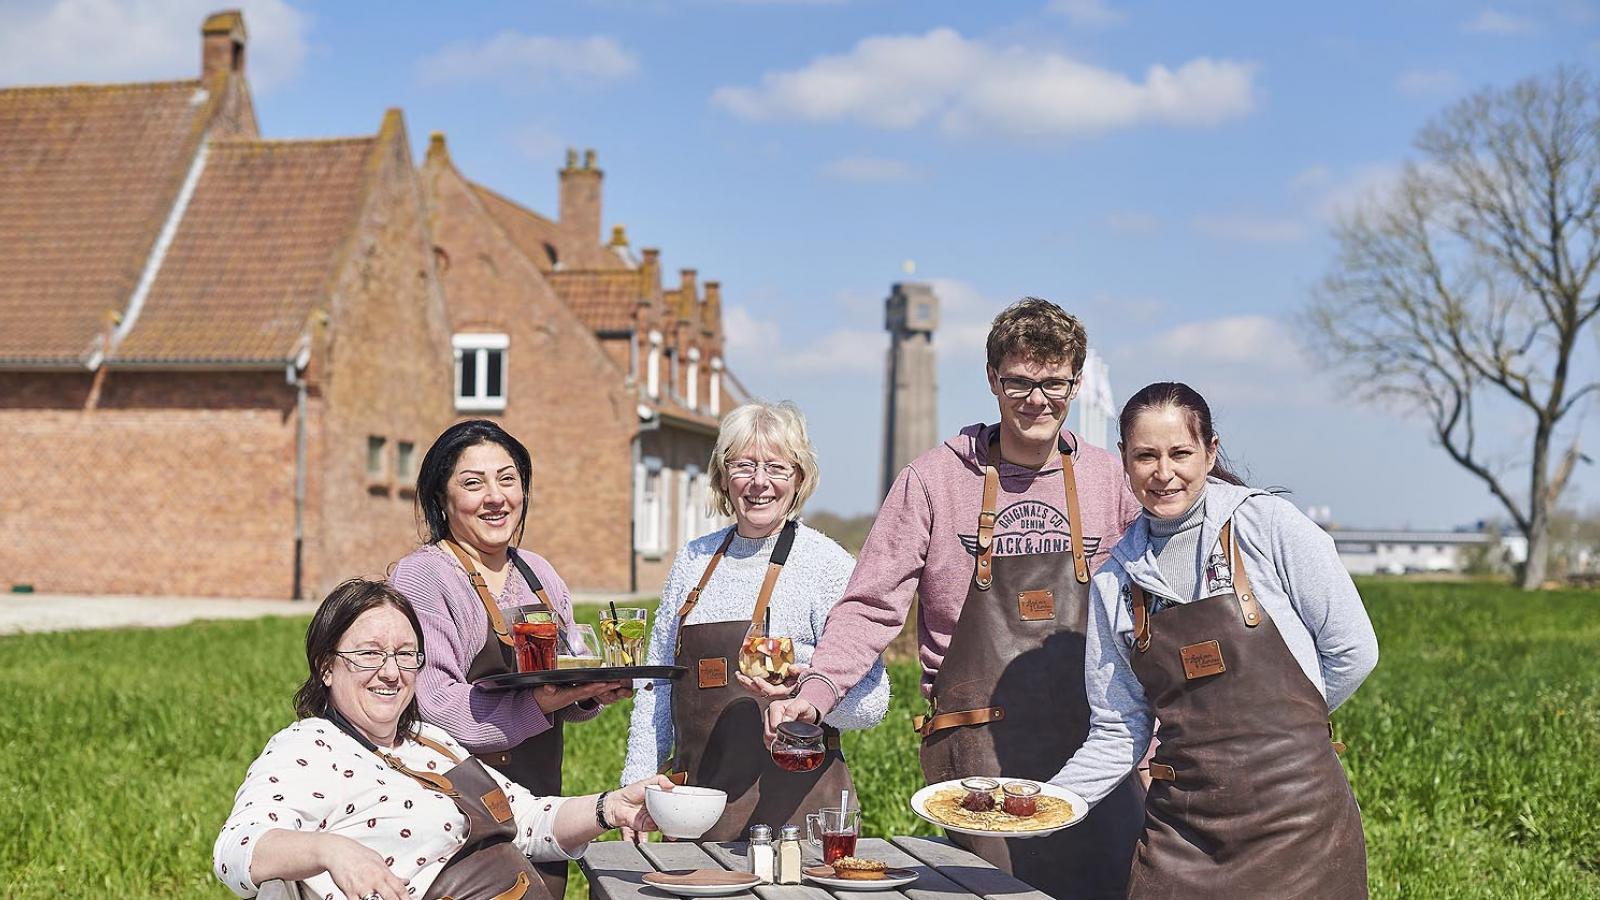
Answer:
x=789 y=855
x=762 y=860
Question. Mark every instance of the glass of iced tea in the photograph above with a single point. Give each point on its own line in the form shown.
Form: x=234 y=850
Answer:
x=797 y=746
x=533 y=634
x=622 y=634
x=835 y=828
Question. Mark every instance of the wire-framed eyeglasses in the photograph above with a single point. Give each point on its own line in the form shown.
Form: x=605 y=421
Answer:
x=742 y=469
x=1018 y=388
x=410 y=660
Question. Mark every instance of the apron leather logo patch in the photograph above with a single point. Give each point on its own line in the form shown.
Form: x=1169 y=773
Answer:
x=1202 y=659
x=498 y=806
x=714 y=672
x=1036 y=606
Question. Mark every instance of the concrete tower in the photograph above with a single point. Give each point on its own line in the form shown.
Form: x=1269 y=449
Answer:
x=910 y=391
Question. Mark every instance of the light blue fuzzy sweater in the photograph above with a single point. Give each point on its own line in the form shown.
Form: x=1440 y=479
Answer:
x=1297 y=577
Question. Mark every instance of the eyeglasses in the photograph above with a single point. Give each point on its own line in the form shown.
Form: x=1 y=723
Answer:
x=410 y=660
x=744 y=469
x=1054 y=388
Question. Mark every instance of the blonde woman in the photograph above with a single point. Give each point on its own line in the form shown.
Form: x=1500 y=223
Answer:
x=706 y=728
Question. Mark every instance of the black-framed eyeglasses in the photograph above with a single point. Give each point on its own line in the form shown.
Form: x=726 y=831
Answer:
x=741 y=469
x=410 y=660
x=1018 y=388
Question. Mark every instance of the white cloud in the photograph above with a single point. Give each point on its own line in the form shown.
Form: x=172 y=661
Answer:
x=1256 y=340
x=141 y=40
x=845 y=351
x=968 y=86
x=1087 y=13
x=538 y=144
x=1359 y=188
x=514 y=58
x=870 y=169
x=1250 y=229
x=1424 y=84
x=1133 y=224
x=1498 y=23
x=749 y=339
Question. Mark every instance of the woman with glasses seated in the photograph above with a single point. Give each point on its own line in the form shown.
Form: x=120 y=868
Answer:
x=472 y=496
x=742 y=608
x=360 y=799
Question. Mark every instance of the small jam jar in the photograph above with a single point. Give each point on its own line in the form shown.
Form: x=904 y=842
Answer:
x=980 y=794
x=1021 y=799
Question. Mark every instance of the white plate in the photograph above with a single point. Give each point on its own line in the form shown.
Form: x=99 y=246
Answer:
x=701 y=890
x=896 y=878
x=1080 y=808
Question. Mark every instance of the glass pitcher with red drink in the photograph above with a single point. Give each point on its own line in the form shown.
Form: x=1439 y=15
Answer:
x=835 y=828
x=798 y=747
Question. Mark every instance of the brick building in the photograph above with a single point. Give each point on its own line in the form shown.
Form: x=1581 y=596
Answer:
x=221 y=357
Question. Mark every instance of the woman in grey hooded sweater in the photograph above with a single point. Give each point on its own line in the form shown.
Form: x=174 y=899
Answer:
x=1225 y=616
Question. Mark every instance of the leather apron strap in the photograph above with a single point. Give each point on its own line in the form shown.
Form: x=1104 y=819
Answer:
x=1249 y=607
x=497 y=622
x=775 y=563
x=984 y=576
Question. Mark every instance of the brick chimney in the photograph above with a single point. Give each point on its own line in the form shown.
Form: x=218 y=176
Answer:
x=580 y=197
x=688 y=296
x=711 y=310
x=222 y=40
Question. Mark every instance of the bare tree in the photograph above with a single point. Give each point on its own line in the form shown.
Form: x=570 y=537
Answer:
x=1467 y=291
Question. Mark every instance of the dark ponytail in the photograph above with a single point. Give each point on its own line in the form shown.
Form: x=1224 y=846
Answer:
x=1177 y=395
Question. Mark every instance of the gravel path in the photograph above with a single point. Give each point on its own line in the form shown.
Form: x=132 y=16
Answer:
x=62 y=612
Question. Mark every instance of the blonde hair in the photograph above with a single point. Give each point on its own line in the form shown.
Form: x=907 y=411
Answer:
x=781 y=427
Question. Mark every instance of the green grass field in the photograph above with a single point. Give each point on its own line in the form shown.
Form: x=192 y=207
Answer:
x=1473 y=748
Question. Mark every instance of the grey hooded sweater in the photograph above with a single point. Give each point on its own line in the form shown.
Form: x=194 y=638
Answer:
x=1297 y=578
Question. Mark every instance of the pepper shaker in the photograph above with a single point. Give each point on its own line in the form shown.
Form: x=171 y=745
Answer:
x=789 y=855
x=762 y=859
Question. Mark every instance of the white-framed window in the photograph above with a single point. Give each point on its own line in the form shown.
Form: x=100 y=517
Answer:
x=716 y=385
x=649 y=506
x=694 y=378
x=377 y=468
x=480 y=370
x=652 y=367
x=695 y=487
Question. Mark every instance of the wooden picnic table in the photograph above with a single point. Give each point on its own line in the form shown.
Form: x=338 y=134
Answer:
x=616 y=869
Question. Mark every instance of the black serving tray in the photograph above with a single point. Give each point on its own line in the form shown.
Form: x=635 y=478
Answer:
x=506 y=681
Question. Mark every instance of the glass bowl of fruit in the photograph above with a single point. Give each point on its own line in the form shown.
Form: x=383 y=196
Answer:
x=765 y=658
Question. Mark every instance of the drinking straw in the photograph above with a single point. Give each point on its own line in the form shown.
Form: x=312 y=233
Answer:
x=844 y=806
x=766 y=625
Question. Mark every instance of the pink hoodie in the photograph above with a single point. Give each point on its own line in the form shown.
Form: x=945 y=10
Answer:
x=924 y=541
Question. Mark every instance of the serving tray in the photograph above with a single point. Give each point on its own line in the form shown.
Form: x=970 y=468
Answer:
x=506 y=681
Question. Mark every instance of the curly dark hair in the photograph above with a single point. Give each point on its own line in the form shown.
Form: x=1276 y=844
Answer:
x=1038 y=331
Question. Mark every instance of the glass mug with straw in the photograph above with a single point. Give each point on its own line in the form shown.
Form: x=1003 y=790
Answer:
x=835 y=828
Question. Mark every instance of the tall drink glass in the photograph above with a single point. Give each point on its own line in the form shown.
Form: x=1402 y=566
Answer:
x=834 y=828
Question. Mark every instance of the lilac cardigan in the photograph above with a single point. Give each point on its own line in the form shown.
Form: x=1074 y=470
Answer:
x=454 y=627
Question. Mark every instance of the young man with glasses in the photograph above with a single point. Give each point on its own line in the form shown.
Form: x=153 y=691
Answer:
x=995 y=534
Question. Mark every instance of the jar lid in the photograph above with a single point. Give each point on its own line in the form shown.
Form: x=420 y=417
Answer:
x=979 y=784
x=789 y=833
x=761 y=832
x=1021 y=788
x=800 y=732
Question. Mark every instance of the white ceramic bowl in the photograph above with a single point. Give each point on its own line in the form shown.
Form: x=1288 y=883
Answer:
x=684 y=812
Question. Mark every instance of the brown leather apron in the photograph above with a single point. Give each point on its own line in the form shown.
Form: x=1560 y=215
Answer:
x=488 y=866
x=718 y=726
x=1009 y=700
x=536 y=762
x=1248 y=798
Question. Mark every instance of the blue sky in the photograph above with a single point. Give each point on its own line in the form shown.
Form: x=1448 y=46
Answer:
x=1168 y=171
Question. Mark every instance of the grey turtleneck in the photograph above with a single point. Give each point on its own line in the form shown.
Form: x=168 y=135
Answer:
x=1176 y=542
